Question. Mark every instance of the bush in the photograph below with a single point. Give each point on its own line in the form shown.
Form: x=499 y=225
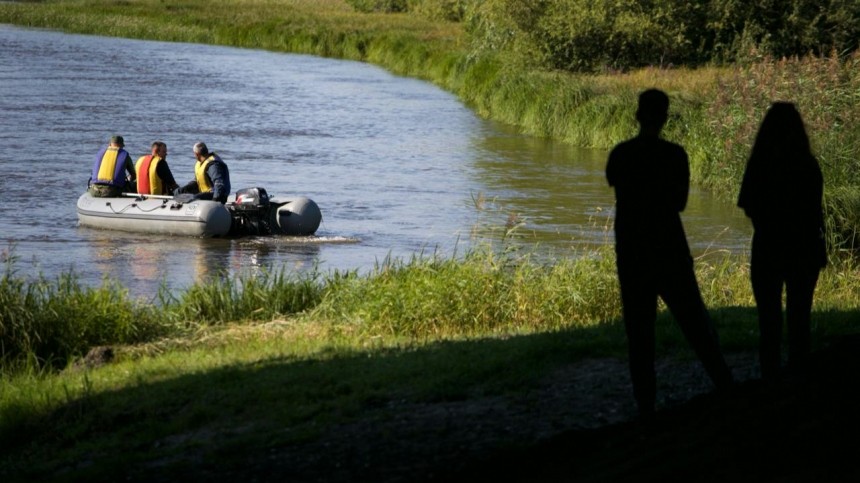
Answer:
x=384 y=6
x=782 y=28
x=450 y=10
x=587 y=35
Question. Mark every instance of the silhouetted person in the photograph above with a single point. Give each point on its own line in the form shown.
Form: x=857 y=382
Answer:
x=781 y=193
x=651 y=177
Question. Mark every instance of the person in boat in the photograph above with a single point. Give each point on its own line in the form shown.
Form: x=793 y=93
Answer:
x=211 y=176
x=108 y=178
x=153 y=173
x=651 y=177
x=781 y=192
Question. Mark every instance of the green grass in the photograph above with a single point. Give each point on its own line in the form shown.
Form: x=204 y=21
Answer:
x=258 y=396
x=45 y=322
x=483 y=294
x=49 y=323
x=339 y=348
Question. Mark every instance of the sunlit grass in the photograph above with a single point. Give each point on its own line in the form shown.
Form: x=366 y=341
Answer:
x=48 y=324
x=715 y=114
x=324 y=27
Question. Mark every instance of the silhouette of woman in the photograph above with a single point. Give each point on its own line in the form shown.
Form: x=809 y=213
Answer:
x=781 y=193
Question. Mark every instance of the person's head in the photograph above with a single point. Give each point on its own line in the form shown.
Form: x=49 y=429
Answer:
x=201 y=151
x=782 y=133
x=653 y=109
x=159 y=149
x=117 y=141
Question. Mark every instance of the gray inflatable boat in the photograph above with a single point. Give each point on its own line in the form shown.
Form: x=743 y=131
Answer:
x=250 y=212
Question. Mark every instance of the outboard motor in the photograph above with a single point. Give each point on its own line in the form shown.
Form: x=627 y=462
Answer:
x=250 y=212
x=252 y=199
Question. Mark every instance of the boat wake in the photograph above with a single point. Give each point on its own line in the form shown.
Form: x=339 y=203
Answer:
x=313 y=240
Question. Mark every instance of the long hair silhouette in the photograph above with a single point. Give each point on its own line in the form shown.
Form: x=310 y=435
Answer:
x=782 y=136
x=781 y=193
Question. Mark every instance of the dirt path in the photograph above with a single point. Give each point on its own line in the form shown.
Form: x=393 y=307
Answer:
x=804 y=428
x=431 y=442
x=578 y=424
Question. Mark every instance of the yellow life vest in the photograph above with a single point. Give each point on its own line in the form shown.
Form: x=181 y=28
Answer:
x=200 y=173
x=107 y=169
x=148 y=181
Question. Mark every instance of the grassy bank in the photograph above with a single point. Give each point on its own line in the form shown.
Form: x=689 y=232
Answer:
x=406 y=44
x=47 y=324
x=338 y=349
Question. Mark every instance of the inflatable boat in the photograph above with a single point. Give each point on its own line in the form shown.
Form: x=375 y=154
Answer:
x=250 y=212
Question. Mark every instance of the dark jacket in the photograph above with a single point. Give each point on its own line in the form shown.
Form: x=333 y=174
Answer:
x=651 y=178
x=784 y=202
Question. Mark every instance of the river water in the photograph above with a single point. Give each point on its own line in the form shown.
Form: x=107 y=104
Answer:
x=398 y=167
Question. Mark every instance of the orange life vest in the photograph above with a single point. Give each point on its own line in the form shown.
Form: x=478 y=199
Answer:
x=148 y=181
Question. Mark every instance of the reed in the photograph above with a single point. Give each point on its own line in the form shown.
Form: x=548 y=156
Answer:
x=247 y=297
x=49 y=324
x=45 y=322
x=482 y=295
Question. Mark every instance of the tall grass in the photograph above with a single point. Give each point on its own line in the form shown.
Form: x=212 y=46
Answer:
x=420 y=331
x=715 y=113
x=49 y=323
x=484 y=294
x=328 y=28
x=45 y=323
x=827 y=93
x=259 y=297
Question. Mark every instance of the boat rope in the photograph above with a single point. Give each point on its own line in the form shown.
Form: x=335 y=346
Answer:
x=135 y=205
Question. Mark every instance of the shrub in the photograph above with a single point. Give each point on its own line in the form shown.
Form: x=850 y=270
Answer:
x=588 y=35
x=450 y=10
x=782 y=28
x=384 y=6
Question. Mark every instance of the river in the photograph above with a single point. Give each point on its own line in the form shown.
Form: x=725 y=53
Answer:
x=398 y=166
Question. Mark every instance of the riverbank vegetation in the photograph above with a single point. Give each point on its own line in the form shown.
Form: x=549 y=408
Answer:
x=48 y=324
x=531 y=64
x=94 y=382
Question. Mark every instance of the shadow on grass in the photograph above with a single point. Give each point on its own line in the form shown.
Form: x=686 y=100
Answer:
x=232 y=420
x=803 y=428
x=443 y=411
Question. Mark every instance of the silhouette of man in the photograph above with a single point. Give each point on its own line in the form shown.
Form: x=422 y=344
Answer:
x=651 y=178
